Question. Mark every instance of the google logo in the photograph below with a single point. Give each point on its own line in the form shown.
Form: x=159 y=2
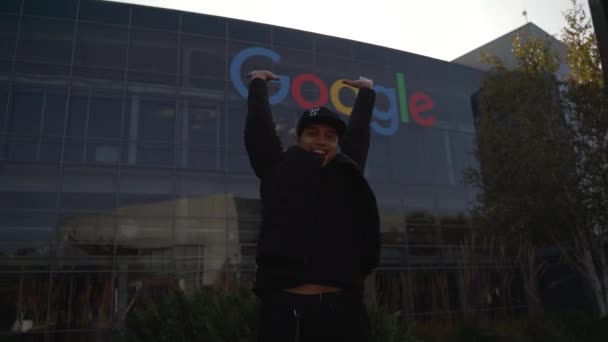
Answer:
x=400 y=106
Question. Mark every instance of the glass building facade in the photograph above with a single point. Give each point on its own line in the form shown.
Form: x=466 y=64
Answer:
x=123 y=168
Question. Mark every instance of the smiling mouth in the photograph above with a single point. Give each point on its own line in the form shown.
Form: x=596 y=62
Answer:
x=321 y=152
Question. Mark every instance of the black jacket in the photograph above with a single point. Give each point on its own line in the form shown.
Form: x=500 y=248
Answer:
x=320 y=225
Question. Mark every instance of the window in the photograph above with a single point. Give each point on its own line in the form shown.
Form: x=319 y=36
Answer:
x=420 y=156
x=101 y=46
x=26 y=113
x=3 y=100
x=203 y=124
x=157 y=120
x=161 y=19
x=60 y=9
x=77 y=115
x=105 y=114
x=8 y=35
x=10 y=6
x=45 y=40
x=332 y=46
x=203 y=57
x=88 y=201
x=104 y=11
x=204 y=25
x=29 y=200
x=54 y=114
x=292 y=39
x=153 y=52
x=202 y=136
x=251 y=32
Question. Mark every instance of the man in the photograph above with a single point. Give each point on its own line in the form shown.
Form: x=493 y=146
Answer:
x=320 y=228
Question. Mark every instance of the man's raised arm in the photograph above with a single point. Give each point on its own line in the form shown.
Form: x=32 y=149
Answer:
x=261 y=140
x=355 y=141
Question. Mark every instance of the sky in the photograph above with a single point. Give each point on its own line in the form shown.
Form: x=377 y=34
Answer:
x=442 y=29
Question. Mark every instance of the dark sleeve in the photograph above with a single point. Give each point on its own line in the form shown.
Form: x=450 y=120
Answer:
x=355 y=141
x=370 y=251
x=261 y=140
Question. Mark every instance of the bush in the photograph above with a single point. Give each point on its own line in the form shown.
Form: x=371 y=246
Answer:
x=390 y=327
x=209 y=315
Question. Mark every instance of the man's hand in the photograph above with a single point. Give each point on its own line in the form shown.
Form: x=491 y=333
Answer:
x=362 y=82
x=263 y=74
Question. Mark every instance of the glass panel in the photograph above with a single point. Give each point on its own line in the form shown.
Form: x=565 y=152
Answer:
x=150 y=191
x=50 y=149
x=8 y=35
x=88 y=201
x=203 y=158
x=26 y=113
x=54 y=113
x=378 y=160
x=292 y=38
x=156 y=120
x=247 y=31
x=105 y=114
x=3 y=102
x=22 y=148
x=74 y=150
x=60 y=9
x=104 y=11
x=155 y=18
x=26 y=199
x=422 y=157
x=204 y=57
x=203 y=123
x=42 y=72
x=96 y=76
x=462 y=148
x=333 y=46
x=101 y=45
x=23 y=295
x=90 y=235
x=81 y=301
x=45 y=40
x=103 y=152
x=155 y=154
x=204 y=24
x=153 y=51
x=18 y=180
x=77 y=115
x=12 y=6
x=370 y=53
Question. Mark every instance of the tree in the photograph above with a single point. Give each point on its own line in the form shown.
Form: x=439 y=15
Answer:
x=586 y=106
x=542 y=145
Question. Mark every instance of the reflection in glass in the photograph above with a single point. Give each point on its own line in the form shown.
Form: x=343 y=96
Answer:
x=101 y=46
x=81 y=301
x=247 y=31
x=155 y=18
x=103 y=12
x=8 y=35
x=26 y=113
x=203 y=57
x=24 y=300
x=77 y=115
x=204 y=25
x=54 y=113
x=105 y=114
x=156 y=120
x=60 y=9
x=153 y=51
x=45 y=40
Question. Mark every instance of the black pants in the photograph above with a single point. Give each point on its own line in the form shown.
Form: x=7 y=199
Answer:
x=336 y=317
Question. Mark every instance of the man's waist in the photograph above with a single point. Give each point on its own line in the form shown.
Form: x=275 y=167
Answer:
x=312 y=289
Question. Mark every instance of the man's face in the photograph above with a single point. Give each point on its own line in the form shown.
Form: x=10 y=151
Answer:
x=320 y=138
